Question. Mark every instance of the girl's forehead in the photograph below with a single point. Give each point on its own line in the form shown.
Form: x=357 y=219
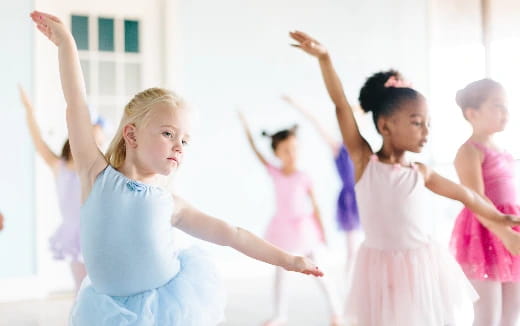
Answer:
x=166 y=114
x=414 y=108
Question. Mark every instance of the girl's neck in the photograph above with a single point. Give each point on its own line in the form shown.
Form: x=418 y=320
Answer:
x=390 y=155
x=482 y=138
x=288 y=169
x=133 y=171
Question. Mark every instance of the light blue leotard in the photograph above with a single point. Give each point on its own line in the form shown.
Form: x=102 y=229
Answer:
x=135 y=277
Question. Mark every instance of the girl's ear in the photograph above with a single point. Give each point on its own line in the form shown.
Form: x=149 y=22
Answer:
x=129 y=135
x=382 y=126
x=470 y=113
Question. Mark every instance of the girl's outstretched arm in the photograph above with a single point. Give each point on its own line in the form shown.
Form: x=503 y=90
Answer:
x=497 y=222
x=250 y=139
x=202 y=226
x=41 y=146
x=327 y=137
x=357 y=146
x=88 y=159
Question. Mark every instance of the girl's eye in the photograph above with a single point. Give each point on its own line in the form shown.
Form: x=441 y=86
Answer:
x=415 y=123
x=167 y=134
x=185 y=142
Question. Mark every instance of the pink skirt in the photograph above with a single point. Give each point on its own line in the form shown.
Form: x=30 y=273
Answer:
x=419 y=286
x=481 y=254
x=296 y=235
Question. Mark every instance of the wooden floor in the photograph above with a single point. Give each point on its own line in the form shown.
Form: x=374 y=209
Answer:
x=249 y=303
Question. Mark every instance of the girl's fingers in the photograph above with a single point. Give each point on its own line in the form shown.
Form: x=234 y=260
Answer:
x=302 y=35
x=297 y=37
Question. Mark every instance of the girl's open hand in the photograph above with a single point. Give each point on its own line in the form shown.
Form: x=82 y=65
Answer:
x=51 y=26
x=308 y=44
x=511 y=240
x=304 y=265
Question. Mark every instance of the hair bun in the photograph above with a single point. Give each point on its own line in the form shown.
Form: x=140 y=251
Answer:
x=374 y=92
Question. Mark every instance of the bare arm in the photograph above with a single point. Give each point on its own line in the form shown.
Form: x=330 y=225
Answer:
x=89 y=160
x=317 y=214
x=498 y=223
x=50 y=158
x=327 y=137
x=250 y=139
x=205 y=227
x=357 y=146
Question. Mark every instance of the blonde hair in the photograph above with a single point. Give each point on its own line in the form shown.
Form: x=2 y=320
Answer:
x=136 y=112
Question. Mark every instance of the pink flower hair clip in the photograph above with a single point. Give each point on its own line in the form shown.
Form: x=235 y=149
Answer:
x=393 y=81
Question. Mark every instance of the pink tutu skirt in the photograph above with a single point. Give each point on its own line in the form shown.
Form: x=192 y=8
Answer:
x=419 y=286
x=296 y=235
x=481 y=254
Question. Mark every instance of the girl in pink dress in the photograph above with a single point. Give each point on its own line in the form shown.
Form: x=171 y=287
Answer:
x=489 y=171
x=402 y=277
x=296 y=225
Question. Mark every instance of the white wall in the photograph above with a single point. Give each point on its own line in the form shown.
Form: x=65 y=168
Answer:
x=50 y=112
x=220 y=54
x=17 y=245
x=233 y=53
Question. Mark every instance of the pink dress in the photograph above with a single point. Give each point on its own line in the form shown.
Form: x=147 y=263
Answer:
x=480 y=253
x=293 y=227
x=401 y=276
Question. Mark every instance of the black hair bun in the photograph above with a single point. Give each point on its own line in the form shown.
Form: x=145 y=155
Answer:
x=374 y=92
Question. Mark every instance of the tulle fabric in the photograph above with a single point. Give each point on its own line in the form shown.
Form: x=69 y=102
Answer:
x=480 y=253
x=194 y=297
x=421 y=286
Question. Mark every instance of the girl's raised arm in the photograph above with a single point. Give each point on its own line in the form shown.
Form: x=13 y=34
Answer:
x=88 y=159
x=327 y=137
x=357 y=146
x=251 y=140
x=41 y=146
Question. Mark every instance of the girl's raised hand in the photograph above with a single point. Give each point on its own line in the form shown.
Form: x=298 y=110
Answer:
x=51 y=26
x=308 y=44
x=304 y=265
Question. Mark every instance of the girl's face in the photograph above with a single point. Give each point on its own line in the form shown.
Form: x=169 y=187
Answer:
x=492 y=115
x=407 y=129
x=287 y=151
x=161 y=140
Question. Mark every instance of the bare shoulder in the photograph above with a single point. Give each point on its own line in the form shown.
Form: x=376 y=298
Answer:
x=468 y=152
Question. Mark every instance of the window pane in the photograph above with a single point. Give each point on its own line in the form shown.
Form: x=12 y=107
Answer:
x=80 y=31
x=85 y=67
x=132 y=78
x=106 y=34
x=107 y=78
x=131 y=36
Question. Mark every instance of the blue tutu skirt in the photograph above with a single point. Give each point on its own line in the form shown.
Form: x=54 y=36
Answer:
x=194 y=297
